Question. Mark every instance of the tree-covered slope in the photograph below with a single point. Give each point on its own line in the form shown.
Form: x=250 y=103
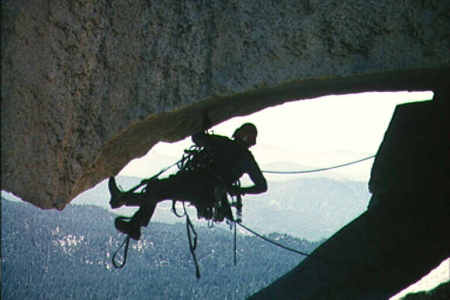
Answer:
x=67 y=255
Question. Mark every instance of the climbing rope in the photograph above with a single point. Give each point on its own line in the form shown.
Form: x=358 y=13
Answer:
x=192 y=241
x=174 y=210
x=318 y=170
x=154 y=177
x=235 y=244
x=272 y=241
x=117 y=265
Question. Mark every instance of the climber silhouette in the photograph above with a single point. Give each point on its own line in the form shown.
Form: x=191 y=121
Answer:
x=229 y=159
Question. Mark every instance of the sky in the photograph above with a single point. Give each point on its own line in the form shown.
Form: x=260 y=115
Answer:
x=306 y=134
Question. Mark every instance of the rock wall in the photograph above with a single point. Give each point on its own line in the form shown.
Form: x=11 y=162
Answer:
x=402 y=235
x=89 y=85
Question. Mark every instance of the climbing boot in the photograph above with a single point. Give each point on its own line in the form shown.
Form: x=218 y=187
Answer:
x=116 y=195
x=131 y=228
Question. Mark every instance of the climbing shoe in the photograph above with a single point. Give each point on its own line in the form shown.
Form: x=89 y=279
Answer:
x=130 y=228
x=116 y=195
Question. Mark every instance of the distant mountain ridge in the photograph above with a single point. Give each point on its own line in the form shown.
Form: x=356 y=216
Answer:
x=307 y=207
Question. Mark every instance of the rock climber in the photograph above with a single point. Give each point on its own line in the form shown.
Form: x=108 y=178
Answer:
x=229 y=159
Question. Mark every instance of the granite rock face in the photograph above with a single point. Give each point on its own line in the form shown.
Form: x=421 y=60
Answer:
x=89 y=85
x=402 y=235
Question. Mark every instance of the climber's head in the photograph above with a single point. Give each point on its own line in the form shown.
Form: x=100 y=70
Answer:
x=246 y=134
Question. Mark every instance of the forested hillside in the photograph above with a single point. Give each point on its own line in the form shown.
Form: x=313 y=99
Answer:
x=67 y=255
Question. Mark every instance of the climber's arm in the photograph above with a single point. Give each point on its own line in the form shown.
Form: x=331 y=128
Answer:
x=257 y=177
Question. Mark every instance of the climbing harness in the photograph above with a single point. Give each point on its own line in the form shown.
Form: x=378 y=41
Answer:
x=198 y=158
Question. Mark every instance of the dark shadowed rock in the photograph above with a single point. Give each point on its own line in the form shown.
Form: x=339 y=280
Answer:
x=403 y=234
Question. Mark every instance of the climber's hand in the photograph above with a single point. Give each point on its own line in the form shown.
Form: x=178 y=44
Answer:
x=235 y=191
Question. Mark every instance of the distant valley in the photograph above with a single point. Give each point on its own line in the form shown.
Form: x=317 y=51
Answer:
x=311 y=208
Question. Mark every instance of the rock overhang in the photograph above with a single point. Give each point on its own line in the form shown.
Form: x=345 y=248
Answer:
x=87 y=87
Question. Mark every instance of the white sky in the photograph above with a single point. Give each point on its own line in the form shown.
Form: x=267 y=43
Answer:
x=312 y=133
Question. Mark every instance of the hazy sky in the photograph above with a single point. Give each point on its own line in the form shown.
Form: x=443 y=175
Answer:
x=307 y=134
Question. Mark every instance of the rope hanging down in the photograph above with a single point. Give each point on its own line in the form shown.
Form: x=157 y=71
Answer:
x=318 y=170
x=116 y=264
x=272 y=242
x=192 y=239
